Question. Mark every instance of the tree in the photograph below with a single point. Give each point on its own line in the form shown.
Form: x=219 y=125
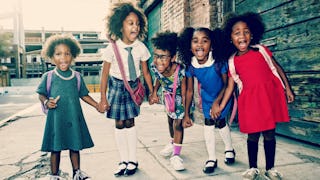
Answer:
x=6 y=48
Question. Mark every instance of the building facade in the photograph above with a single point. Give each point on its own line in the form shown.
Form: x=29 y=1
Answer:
x=32 y=65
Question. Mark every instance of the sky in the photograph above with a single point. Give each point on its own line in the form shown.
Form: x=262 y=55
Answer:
x=75 y=15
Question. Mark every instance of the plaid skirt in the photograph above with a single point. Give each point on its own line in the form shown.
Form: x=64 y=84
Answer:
x=122 y=107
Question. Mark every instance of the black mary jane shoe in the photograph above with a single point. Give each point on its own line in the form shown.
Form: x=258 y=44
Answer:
x=230 y=160
x=120 y=172
x=210 y=169
x=129 y=172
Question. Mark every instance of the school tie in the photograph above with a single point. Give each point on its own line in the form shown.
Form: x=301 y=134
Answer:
x=132 y=69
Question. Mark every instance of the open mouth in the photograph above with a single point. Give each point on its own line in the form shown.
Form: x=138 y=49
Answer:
x=199 y=52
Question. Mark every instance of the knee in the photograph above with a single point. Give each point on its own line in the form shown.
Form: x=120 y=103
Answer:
x=221 y=123
x=119 y=124
x=209 y=122
x=129 y=123
x=254 y=137
x=178 y=125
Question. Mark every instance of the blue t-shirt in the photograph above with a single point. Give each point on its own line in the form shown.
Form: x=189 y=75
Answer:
x=211 y=83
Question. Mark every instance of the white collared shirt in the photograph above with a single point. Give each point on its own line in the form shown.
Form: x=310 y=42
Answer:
x=139 y=52
x=208 y=63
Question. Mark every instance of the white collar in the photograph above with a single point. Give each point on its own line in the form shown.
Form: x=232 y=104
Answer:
x=121 y=44
x=209 y=62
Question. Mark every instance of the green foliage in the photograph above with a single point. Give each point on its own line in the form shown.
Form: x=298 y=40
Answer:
x=6 y=48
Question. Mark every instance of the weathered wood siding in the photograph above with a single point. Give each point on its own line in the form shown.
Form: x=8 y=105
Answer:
x=293 y=34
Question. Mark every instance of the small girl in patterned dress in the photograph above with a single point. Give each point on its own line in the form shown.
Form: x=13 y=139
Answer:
x=164 y=67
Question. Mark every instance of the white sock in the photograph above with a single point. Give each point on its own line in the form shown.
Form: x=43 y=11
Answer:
x=226 y=137
x=210 y=142
x=122 y=143
x=132 y=145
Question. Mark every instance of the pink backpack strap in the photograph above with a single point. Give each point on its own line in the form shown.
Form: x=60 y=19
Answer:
x=175 y=81
x=78 y=80
x=268 y=59
x=233 y=73
x=48 y=83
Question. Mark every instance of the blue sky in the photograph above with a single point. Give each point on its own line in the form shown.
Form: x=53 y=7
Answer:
x=82 y=15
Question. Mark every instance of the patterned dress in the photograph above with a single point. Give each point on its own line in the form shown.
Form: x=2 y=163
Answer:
x=167 y=85
x=66 y=128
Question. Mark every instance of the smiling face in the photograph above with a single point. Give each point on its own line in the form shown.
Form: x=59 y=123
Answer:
x=62 y=57
x=200 y=46
x=130 y=28
x=241 y=37
x=162 y=60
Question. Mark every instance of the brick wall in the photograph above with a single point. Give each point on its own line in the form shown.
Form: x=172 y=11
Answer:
x=173 y=15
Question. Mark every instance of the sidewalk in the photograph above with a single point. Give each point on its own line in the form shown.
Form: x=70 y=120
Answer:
x=20 y=158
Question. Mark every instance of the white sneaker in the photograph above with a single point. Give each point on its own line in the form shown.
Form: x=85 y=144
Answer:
x=167 y=150
x=273 y=174
x=177 y=163
x=250 y=174
x=80 y=175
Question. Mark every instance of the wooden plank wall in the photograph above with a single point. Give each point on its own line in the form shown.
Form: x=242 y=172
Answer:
x=293 y=34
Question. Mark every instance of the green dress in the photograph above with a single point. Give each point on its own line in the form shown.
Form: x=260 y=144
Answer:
x=66 y=128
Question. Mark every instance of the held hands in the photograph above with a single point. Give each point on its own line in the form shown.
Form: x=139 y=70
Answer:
x=103 y=106
x=215 y=111
x=153 y=98
x=51 y=103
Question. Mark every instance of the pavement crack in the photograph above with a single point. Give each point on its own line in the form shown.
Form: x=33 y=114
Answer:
x=33 y=166
x=15 y=119
x=156 y=159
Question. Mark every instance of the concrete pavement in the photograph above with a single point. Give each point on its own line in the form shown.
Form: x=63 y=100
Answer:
x=21 y=136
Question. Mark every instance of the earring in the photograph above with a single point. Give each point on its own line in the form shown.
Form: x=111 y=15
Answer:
x=231 y=41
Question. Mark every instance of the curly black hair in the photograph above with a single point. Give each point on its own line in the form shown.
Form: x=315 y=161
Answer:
x=218 y=44
x=119 y=12
x=253 y=21
x=49 y=46
x=166 y=41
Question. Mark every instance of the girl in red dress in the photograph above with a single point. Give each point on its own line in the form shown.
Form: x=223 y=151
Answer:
x=263 y=89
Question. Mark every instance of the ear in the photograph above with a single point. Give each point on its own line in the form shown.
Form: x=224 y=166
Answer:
x=173 y=59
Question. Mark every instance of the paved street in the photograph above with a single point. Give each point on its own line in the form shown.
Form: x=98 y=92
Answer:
x=21 y=136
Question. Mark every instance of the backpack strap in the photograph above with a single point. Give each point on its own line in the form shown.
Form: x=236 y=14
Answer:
x=78 y=80
x=175 y=81
x=268 y=59
x=233 y=73
x=48 y=85
x=49 y=80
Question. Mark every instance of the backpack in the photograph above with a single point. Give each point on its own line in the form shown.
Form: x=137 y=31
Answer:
x=48 y=87
x=266 y=57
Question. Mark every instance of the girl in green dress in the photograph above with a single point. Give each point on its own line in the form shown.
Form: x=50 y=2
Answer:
x=65 y=128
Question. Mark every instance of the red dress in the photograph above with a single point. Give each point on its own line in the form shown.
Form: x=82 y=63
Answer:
x=262 y=101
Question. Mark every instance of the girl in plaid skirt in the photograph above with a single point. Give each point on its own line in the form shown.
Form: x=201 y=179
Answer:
x=126 y=25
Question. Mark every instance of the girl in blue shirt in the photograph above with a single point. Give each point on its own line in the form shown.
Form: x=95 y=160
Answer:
x=202 y=52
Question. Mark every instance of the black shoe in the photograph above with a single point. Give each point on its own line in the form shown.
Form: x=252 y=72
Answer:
x=129 y=172
x=210 y=169
x=230 y=160
x=120 y=172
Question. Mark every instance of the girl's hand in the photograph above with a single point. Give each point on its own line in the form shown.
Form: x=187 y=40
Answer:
x=215 y=111
x=290 y=95
x=153 y=98
x=52 y=102
x=187 y=122
x=103 y=106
